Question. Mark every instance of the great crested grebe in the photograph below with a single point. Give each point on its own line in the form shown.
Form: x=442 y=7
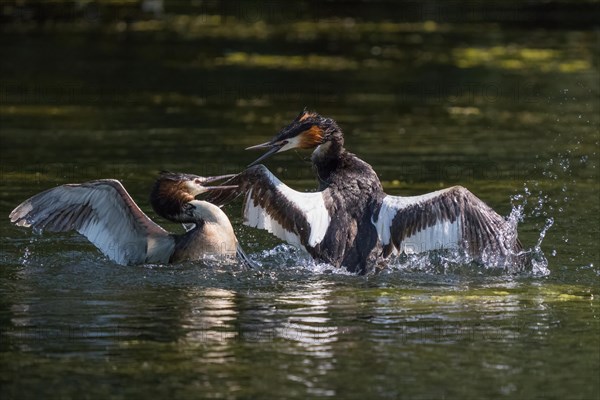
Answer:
x=107 y=216
x=350 y=221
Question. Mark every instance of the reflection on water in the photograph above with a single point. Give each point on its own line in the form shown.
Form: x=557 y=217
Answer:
x=211 y=322
x=307 y=321
x=305 y=336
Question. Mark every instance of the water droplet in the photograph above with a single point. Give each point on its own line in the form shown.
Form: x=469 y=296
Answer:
x=549 y=223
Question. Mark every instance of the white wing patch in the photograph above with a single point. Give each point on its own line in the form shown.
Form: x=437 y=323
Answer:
x=257 y=217
x=442 y=235
x=312 y=206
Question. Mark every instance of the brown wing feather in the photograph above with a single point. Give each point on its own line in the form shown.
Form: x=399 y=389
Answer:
x=262 y=190
x=481 y=228
x=102 y=211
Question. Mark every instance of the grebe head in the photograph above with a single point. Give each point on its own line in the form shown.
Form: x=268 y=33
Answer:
x=173 y=190
x=307 y=131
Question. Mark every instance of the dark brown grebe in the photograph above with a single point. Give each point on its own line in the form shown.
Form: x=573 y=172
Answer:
x=107 y=216
x=350 y=221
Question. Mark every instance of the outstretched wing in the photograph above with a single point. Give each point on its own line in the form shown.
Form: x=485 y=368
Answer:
x=105 y=214
x=449 y=218
x=300 y=219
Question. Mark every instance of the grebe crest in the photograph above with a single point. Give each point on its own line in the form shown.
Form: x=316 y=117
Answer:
x=308 y=130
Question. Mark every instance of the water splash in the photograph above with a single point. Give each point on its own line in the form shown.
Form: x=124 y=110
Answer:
x=533 y=204
x=448 y=261
x=24 y=260
x=549 y=223
x=28 y=256
x=550 y=198
x=288 y=257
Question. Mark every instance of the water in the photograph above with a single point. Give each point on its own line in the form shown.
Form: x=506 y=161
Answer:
x=428 y=106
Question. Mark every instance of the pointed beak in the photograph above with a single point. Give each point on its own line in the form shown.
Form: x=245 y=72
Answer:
x=222 y=187
x=212 y=179
x=273 y=148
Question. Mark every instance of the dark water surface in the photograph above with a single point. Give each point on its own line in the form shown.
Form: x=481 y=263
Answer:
x=511 y=114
